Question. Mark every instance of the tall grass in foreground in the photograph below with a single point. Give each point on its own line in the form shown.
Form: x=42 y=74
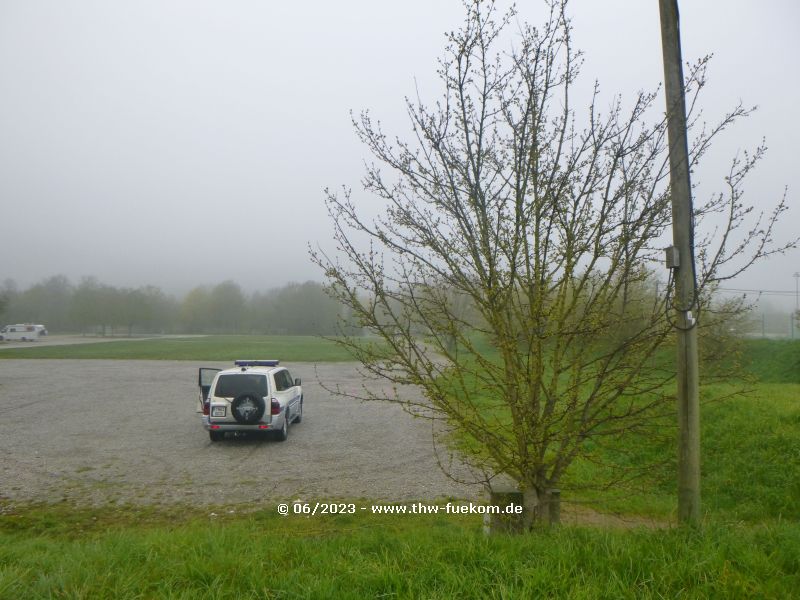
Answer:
x=262 y=555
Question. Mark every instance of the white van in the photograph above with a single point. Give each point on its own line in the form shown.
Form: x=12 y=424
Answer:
x=26 y=332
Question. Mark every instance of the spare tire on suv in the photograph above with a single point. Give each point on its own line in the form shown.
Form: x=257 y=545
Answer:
x=248 y=409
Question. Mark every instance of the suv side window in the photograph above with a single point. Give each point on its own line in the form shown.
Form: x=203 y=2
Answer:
x=281 y=381
x=289 y=380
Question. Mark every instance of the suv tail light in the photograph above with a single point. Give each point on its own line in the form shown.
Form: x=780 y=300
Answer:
x=206 y=407
x=275 y=407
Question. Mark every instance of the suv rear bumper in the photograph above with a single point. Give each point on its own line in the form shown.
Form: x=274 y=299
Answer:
x=218 y=425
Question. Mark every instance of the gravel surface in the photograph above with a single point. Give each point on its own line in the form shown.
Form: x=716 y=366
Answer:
x=126 y=431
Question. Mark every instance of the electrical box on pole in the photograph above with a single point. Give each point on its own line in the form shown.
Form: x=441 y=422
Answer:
x=673 y=257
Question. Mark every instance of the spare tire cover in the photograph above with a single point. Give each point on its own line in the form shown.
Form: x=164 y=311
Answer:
x=248 y=409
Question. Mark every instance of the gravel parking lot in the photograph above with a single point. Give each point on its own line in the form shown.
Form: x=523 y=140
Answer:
x=127 y=431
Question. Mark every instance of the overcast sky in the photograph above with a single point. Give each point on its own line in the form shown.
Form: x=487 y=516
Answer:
x=178 y=143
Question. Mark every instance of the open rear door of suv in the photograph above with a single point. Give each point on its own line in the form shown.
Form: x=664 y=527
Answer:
x=205 y=377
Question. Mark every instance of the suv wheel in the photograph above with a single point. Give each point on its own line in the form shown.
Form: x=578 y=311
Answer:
x=299 y=416
x=216 y=436
x=283 y=433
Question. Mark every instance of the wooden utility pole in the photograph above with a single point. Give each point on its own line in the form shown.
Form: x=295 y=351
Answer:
x=684 y=270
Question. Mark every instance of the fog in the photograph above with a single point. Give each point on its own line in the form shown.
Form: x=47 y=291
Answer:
x=177 y=143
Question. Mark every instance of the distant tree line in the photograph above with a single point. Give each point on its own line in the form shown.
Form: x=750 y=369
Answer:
x=94 y=307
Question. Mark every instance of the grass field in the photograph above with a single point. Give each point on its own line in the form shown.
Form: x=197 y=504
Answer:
x=213 y=347
x=123 y=553
x=750 y=450
x=748 y=546
x=773 y=361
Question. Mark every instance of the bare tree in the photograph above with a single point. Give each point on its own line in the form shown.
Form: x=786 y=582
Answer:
x=548 y=229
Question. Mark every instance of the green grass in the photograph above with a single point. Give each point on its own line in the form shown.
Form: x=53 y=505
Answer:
x=212 y=347
x=116 y=553
x=750 y=448
x=773 y=361
x=750 y=455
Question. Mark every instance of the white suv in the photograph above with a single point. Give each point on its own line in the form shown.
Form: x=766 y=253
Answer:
x=255 y=396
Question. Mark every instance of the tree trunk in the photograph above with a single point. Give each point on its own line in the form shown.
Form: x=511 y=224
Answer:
x=532 y=506
x=541 y=507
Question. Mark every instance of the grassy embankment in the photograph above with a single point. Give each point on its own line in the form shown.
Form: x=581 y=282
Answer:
x=749 y=546
x=750 y=445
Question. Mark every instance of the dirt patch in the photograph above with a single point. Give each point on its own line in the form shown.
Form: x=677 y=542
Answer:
x=582 y=515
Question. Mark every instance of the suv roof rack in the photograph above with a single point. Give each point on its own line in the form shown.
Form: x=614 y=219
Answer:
x=256 y=363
